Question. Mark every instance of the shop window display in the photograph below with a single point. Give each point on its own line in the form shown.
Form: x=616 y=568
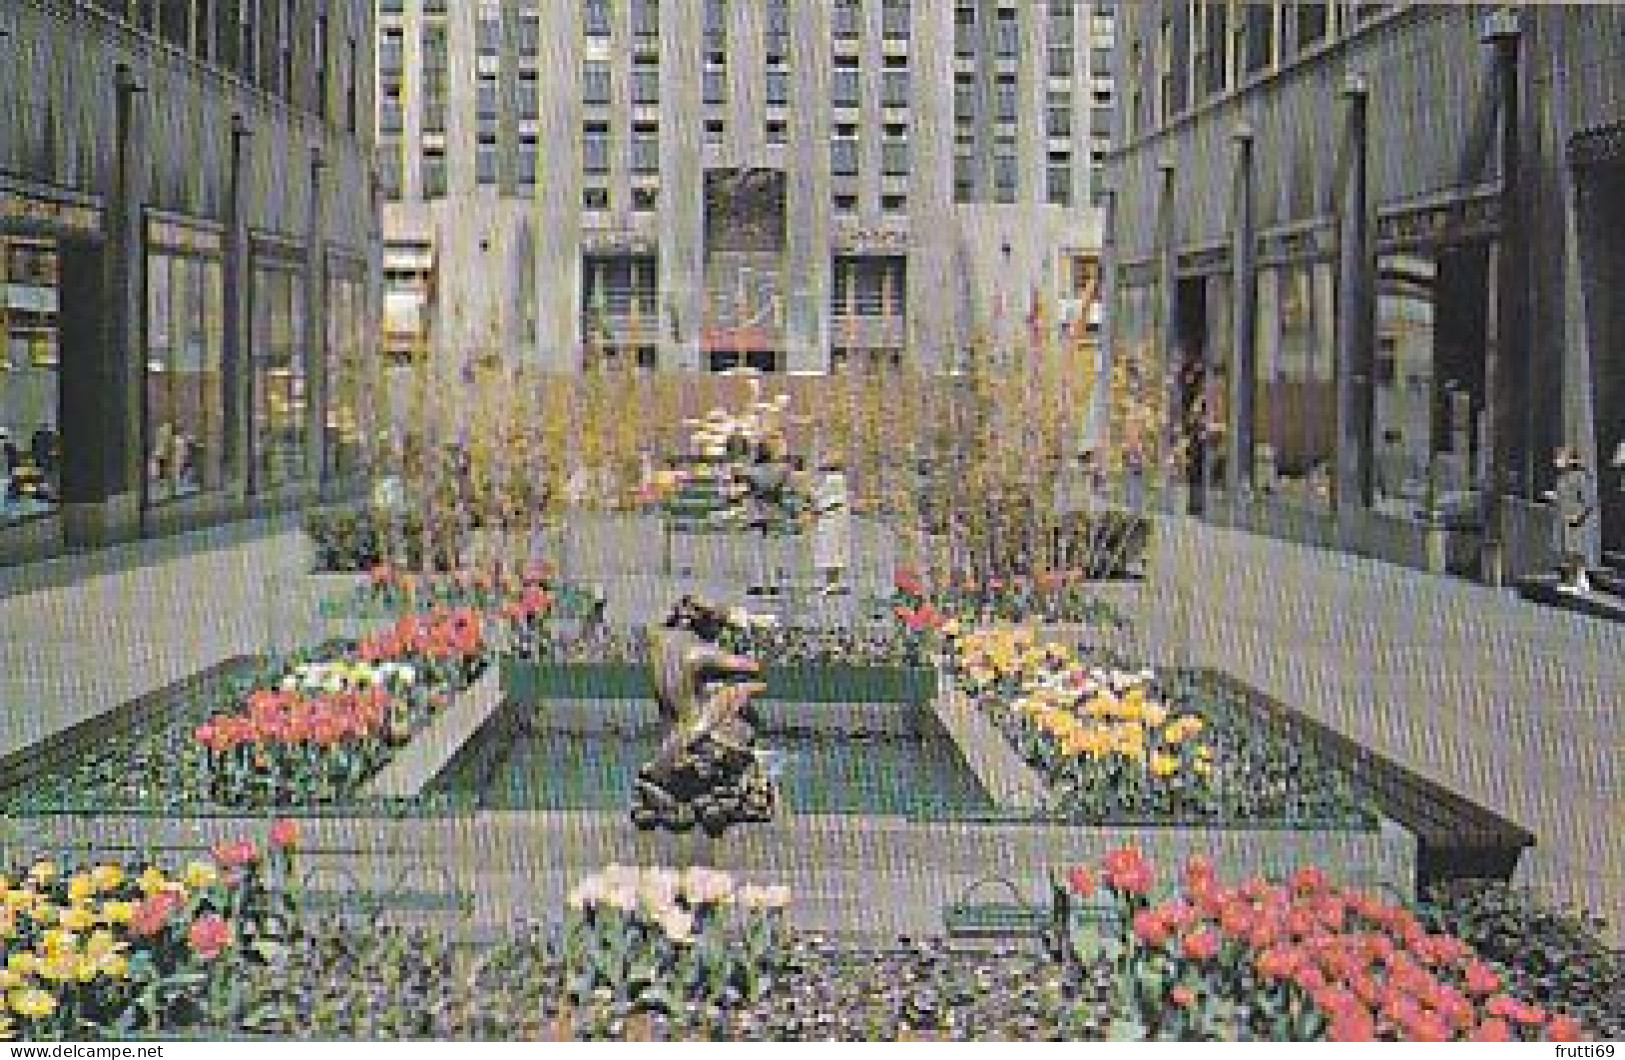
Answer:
x=30 y=449
x=1295 y=396
x=184 y=435
x=280 y=391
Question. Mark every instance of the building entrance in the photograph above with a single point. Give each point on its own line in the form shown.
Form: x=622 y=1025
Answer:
x=1601 y=180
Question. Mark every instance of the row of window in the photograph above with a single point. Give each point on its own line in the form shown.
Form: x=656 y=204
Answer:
x=272 y=45
x=1196 y=51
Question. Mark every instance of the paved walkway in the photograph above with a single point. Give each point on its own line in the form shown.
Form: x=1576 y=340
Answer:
x=1514 y=705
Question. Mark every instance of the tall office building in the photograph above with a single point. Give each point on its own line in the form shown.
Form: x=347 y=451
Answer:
x=703 y=184
x=187 y=262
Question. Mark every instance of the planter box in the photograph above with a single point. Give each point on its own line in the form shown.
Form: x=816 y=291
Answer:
x=534 y=682
x=421 y=760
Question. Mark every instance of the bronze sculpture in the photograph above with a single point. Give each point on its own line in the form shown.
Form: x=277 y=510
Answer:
x=707 y=771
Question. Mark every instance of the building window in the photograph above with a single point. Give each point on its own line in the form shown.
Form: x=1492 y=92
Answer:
x=389 y=169
x=595 y=17
x=488 y=29
x=843 y=155
x=964 y=29
x=964 y=98
x=1058 y=182
x=595 y=198
x=349 y=379
x=530 y=35
x=1213 y=65
x=894 y=160
x=31 y=474
x=645 y=148
x=1006 y=34
x=434 y=173
x=184 y=432
x=1059 y=114
x=1313 y=24
x=716 y=87
x=845 y=93
x=894 y=19
x=1004 y=98
x=894 y=87
x=530 y=96
x=868 y=286
x=778 y=88
x=893 y=202
x=1005 y=178
x=777 y=132
x=646 y=24
x=847 y=19
x=485 y=160
x=485 y=93
x=846 y=202
x=716 y=131
x=595 y=148
x=526 y=175
x=391 y=111
x=645 y=199
x=1296 y=393
x=1259 y=53
x=392 y=51
x=964 y=178
x=595 y=82
x=716 y=28
x=280 y=376
x=645 y=81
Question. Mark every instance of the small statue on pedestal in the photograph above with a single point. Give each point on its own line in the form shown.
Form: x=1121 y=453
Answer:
x=707 y=771
x=1574 y=494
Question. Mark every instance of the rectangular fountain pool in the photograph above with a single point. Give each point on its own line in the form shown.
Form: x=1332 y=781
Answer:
x=903 y=764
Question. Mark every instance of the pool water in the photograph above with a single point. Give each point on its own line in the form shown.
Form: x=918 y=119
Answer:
x=915 y=771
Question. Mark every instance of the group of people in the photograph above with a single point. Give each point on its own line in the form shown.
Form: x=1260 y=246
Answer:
x=1575 y=497
x=31 y=474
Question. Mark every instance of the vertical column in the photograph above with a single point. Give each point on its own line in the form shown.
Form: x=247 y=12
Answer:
x=1166 y=329
x=808 y=248
x=682 y=199
x=1244 y=318
x=747 y=82
x=314 y=339
x=1032 y=86
x=1512 y=465
x=235 y=283
x=932 y=324
x=1355 y=313
x=558 y=190
x=103 y=371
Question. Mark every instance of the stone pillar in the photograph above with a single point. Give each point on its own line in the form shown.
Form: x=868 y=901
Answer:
x=1168 y=358
x=1244 y=318
x=1513 y=464
x=808 y=255
x=314 y=338
x=1355 y=313
x=558 y=193
x=103 y=368
x=682 y=183
x=237 y=351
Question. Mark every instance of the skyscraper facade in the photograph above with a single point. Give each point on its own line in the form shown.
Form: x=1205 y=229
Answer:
x=792 y=185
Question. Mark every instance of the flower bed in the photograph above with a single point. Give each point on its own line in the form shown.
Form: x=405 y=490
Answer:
x=1300 y=960
x=923 y=604
x=1117 y=747
x=116 y=950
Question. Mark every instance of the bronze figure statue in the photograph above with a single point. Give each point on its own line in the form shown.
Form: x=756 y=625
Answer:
x=707 y=771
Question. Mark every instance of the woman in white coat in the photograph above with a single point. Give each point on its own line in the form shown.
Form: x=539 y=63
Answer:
x=832 y=528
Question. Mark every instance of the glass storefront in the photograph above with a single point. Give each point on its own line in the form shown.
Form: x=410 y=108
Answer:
x=280 y=375
x=30 y=468
x=1432 y=309
x=1295 y=395
x=348 y=378
x=184 y=427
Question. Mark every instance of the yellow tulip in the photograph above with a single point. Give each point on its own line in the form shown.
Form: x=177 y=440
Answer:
x=10 y=979
x=106 y=877
x=33 y=1003
x=75 y=919
x=44 y=872
x=1155 y=714
x=23 y=963
x=152 y=880
x=1164 y=765
x=44 y=913
x=115 y=966
x=59 y=969
x=118 y=912
x=22 y=898
x=80 y=888
x=200 y=875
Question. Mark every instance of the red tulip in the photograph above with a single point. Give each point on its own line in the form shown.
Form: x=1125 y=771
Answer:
x=1150 y=928
x=284 y=834
x=1481 y=979
x=1492 y=1030
x=1201 y=945
x=153 y=913
x=1183 y=996
x=1081 y=881
x=235 y=855
x=209 y=936
x=1564 y=1029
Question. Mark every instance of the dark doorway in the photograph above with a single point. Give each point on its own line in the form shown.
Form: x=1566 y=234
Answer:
x=1189 y=416
x=1602 y=217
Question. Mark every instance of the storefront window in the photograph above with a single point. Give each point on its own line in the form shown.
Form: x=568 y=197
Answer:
x=279 y=383
x=1429 y=382
x=185 y=337
x=345 y=416
x=1296 y=387
x=30 y=451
